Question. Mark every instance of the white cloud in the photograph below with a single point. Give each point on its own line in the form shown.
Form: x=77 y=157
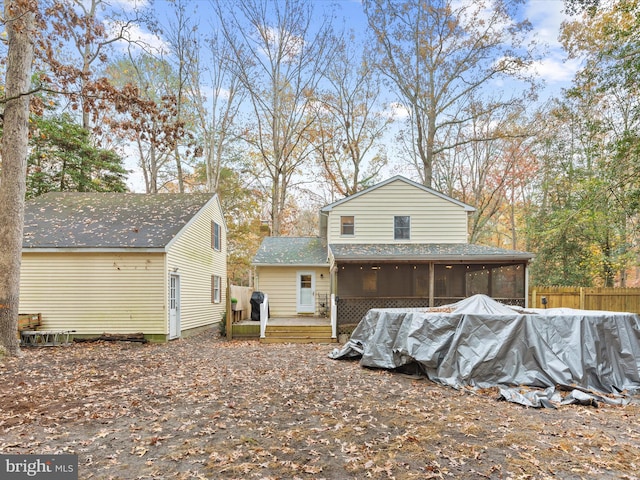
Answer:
x=554 y=69
x=129 y=5
x=546 y=16
x=270 y=39
x=398 y=111
x=133 y=33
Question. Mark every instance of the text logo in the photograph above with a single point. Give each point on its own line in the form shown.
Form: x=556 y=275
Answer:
x=44 y=467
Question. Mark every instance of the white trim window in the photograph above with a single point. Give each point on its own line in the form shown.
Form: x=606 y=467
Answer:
x=347 y=225
x=216 y=238
x=216 y=293
x=402 y=227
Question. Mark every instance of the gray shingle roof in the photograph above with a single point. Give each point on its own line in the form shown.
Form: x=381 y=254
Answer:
x=313 y=251
x=436 y=251
x=108 y=220
x=291 y=251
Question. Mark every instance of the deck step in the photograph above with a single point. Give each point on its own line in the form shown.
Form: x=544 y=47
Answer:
x=298 y=334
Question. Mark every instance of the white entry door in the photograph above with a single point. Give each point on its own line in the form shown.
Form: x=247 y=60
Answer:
x=174 y=306
x=306 y=292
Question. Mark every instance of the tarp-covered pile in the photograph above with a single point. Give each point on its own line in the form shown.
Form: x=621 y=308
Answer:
x=479 y=342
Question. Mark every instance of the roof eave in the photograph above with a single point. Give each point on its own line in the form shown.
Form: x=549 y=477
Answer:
x=93 y=250
x=439 y=258
x=304 y=265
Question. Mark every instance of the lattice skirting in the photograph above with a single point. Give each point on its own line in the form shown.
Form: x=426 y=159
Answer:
x=351 y=310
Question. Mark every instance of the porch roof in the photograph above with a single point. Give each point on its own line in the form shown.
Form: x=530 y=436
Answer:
x=446 y=252
x=288 y=251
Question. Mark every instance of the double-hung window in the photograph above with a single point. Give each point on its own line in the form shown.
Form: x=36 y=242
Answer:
x=216 y=285
x=347 y=225
x=216 y=238
x=401 y=227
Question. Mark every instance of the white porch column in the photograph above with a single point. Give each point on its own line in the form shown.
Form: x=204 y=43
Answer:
x=334 y=316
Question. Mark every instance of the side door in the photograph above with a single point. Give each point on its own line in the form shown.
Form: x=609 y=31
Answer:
x=174 y=306
x=306 y=286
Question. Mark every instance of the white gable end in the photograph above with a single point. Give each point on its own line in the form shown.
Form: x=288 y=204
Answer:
x=433 y=217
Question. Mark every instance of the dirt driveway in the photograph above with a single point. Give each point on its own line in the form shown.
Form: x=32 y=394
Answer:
x=203 y=407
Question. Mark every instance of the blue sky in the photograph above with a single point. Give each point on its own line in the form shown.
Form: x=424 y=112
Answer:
x=546 y=17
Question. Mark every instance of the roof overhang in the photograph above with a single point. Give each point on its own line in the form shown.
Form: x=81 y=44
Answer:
x=92 y=250
x=292 y=265
x=449 y=253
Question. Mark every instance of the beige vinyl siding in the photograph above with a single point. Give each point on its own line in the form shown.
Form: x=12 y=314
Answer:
x=280 y=285
x=433 y=219
x=192 y=254
x=93 y=293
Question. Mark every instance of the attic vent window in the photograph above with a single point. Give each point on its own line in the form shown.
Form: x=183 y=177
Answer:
x=402 y=227
x=347 y=225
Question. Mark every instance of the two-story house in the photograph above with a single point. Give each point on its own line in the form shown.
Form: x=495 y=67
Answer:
x=396 y=244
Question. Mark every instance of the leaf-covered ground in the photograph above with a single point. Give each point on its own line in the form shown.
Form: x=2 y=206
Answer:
x=203 y=407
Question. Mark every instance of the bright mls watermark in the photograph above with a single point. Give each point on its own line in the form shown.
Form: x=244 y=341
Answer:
x=39 y=467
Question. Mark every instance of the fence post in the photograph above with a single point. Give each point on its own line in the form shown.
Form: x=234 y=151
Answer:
x=229 y=319
x=582 y=298
x=534 y=294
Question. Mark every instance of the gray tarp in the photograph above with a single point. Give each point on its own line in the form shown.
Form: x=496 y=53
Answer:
x=479 y=342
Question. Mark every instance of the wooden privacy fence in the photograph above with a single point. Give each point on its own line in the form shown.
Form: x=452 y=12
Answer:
x=587 y=298
x=242 y=309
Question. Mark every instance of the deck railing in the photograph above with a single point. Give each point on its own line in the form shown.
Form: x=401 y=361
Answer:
x=334 y=316
x=264 y=316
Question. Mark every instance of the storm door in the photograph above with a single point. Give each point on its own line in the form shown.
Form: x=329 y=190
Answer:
x=174 y=306
x=306 y=282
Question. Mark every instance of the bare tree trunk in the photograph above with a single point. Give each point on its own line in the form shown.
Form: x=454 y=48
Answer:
x=19 y=22
x=179 y=174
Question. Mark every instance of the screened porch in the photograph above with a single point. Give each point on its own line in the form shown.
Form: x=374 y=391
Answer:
x=361 y=286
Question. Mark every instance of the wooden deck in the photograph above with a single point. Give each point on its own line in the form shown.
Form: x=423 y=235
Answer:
x=287 y=330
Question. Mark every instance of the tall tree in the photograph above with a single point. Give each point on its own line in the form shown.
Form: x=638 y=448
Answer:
x=442 y=54
x=82 y=35
x=216 y=94
x=487 y=174
x=20 y=24
x=146 y=111
x=242 y=212
x=62 y=158
x=181 y=38
x=583 y=227
x=280 y=52
x=595 y=209
x=350 y=123
x=555 y=226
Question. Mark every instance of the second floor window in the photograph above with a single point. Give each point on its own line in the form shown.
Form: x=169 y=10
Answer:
x=401 y=227
x=347 y=225
x=216 y=240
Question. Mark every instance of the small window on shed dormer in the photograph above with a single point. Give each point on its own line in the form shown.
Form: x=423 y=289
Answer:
x=402 y=227
x=347 y=225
